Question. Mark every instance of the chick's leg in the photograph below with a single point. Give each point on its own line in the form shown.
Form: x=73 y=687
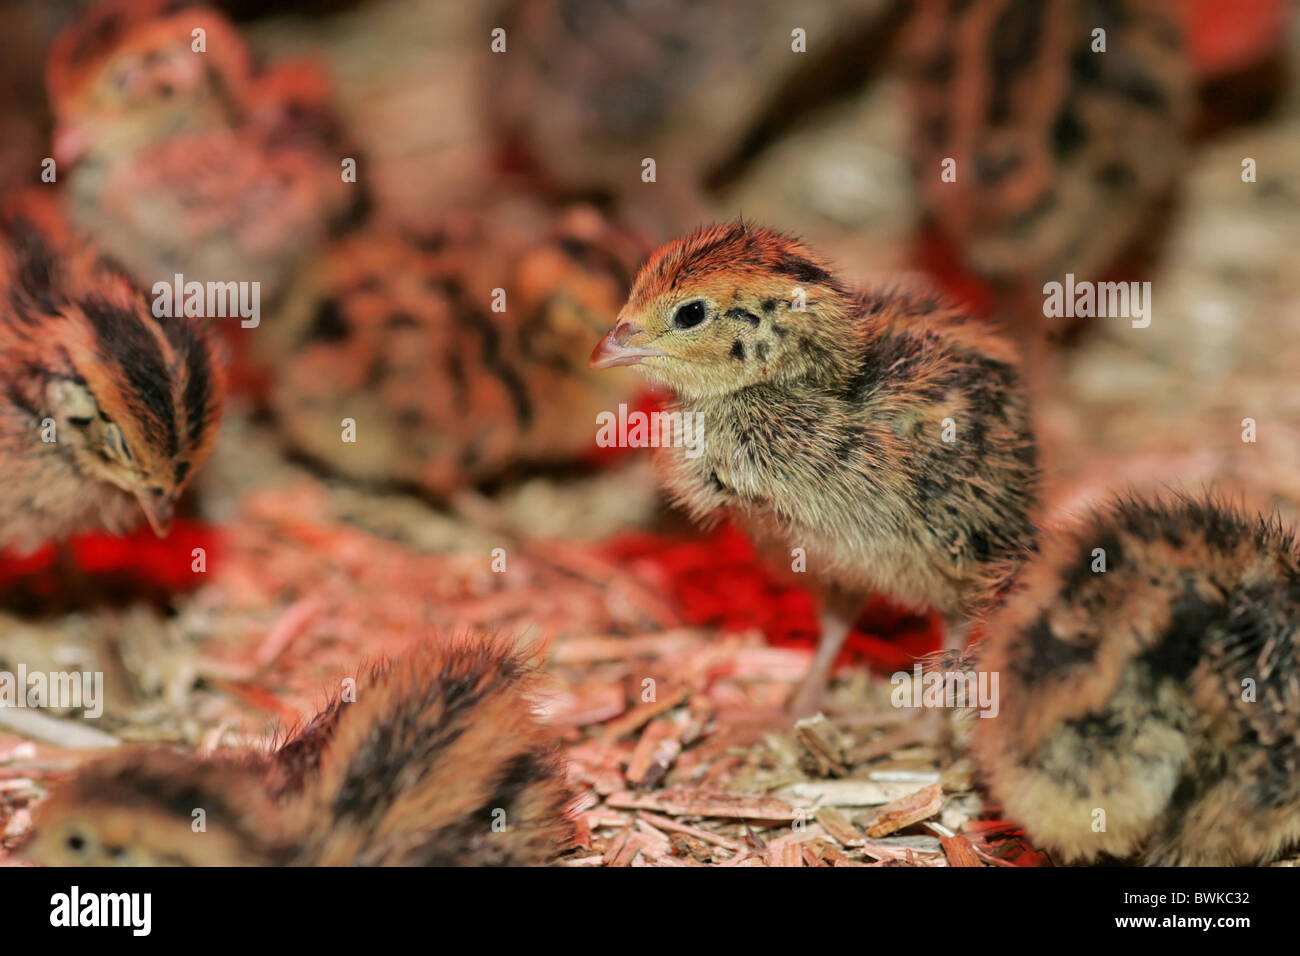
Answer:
x=956 y=634
x=954 y=727
x=839 y=611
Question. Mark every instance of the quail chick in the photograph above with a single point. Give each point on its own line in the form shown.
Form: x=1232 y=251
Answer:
x=878 y=430
x=1062 y=153
x=188 y=161
x=642 y=80
x=105 y=411
x=1151 y=709
x=397 y=333
x=436 y=760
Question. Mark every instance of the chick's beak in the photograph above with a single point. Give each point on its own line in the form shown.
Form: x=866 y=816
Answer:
x=615 y=348
x=159 y=509
x=69 y=143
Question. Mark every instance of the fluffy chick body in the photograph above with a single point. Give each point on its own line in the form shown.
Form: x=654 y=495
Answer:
x=641 y=80
x=189 y=161
x=437 y=760
x=397 y=332
x=824 y=426
x=1126 y=691
x=105 y=411
x=1063 y=153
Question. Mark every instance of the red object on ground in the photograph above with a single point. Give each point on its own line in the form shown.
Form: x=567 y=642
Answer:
x=718 y=581
x=165 y=563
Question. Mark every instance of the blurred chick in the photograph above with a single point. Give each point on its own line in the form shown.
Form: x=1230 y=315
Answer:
x=397 y=333
x=1152 y=710
x=438 y=760
x=105 y=411
x=878 y=430
x=587 y=90
x=190 y=162
x=1062 y=154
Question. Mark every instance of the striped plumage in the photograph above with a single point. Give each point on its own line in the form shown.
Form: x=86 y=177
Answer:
x=441 y=761
x=436 y=759
x=102 y=405
x=398 y=333
x=1151 y=709
x=1062 y=154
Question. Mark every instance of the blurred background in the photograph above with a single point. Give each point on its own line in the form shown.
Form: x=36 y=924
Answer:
x=504 y=146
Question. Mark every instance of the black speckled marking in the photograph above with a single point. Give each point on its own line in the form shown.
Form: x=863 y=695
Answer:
x=1044 y=657
x=801 y=270
x=738 y=350
x=1016 y=32
x=760 y=350
x=1081 y=574
x=1068 y=134
x=769 y=306
x=992 y=168
x=1180 y=647
x=744 y=315
x=329 y=324
x=1115 y=175
x=401 y=320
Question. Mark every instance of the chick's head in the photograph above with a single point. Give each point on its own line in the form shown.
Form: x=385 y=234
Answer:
x=138 y=404
x=135 y=72
x=728 y=307
x=138 y=808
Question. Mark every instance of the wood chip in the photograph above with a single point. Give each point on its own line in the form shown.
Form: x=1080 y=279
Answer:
x=645 y=713
x=823 y=746
x=587 y=650
x=847 y=793
x=707 y=836
x=959 y=851
x=910 y=809
x=786 y=851
x=700 y=803
x=897 y=738
x=838 y=826
x=74 y=734
x=655 y=752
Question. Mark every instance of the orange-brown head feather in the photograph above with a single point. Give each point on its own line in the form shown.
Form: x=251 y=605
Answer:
x=731 y=306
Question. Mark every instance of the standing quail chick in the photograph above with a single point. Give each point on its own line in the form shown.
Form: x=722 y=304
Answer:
x=438 y=760
x=1062 y=154
x=104 y=410
x=185 y=161
x=397 y=333
x=825 y=427
x=1163 y=693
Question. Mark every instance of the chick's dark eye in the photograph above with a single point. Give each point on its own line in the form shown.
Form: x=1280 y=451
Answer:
x=76 y=842
x=689 y=315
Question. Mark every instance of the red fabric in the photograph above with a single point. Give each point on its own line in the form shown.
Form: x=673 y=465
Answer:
x=142 y=556
x=717 y=581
